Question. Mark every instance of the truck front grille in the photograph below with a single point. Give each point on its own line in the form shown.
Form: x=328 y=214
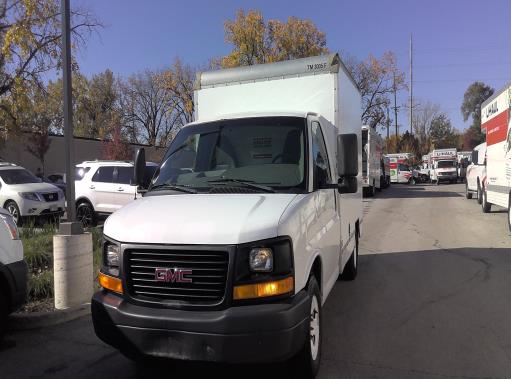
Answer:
x=204 y=281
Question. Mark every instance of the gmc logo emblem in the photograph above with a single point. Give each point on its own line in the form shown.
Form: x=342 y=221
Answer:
x=172 y=275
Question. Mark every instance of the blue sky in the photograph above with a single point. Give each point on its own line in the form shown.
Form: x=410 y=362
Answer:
x=455 y=41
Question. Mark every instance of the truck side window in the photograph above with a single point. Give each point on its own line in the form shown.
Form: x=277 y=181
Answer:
x=321 y=167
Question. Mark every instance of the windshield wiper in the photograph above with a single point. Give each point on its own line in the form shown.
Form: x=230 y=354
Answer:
x=246 y=183
x=175 y=187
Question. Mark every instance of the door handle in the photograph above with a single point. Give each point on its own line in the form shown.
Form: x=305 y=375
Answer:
x=92 y=187
x=120 y=189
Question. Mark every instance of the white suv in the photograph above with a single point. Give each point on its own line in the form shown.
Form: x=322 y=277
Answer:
x=102 y=187
x=25 y=195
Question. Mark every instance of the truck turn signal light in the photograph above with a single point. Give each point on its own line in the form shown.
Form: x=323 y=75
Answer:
x=257 y=290
x=110 y=283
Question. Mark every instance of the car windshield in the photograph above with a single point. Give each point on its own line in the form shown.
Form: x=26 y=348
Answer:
x=18 y=176
x=266 y=151
x=445 y=164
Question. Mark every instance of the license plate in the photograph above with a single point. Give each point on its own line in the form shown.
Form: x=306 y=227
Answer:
x=54 y=208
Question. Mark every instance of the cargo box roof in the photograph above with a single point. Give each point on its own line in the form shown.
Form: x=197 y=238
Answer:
x=320 y=64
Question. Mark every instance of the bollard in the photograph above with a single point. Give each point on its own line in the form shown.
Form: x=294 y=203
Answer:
x=72 y=269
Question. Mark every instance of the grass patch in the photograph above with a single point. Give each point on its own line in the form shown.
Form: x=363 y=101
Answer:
x=38 y=252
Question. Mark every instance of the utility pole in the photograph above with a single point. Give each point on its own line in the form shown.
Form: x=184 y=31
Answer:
x=388 y=128
x=68 y=111
x=395 y=106
x=411 y=82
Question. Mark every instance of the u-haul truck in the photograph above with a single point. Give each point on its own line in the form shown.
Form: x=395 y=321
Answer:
x=372 y=151
x=444 y=166
x=495 y=121
x=399 y=169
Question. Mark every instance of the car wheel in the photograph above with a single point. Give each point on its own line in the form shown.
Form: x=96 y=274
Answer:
x=4 y=312
x=351 y=269
x=306 y=363
x=485 y=205
x=479 y=194
x=468 y=194
x=85 y=214
x=13 y=209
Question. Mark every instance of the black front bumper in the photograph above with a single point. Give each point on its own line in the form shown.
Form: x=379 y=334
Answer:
x=14 y=276
x=241 y=334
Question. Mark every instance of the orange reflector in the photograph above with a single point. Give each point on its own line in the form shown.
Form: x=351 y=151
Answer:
x=252 y=291
x=110 y=283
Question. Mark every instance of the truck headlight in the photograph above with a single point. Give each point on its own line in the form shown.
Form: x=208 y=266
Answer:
x=264 y=269
x=29 y=196
x=112 y=258
x=261 y=259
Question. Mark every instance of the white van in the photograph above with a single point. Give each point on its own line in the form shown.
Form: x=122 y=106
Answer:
x=13 y=269
x=444 y=166
x=476 y=173
x=251 y=218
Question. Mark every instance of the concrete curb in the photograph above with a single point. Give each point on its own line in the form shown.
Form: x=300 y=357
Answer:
x=27 y=321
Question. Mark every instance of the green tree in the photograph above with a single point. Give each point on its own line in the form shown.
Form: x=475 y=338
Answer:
x=476 y=94
x=256 y=41
x=442 y=134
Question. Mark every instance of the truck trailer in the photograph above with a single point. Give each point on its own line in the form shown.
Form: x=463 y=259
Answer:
x=372 y=153
x=400 y=171
x=495 y=121
x=251 y=218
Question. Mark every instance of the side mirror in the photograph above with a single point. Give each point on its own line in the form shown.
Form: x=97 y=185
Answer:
x=348 y=185
x=347 y=155
x=475 y=156
x=139 y=168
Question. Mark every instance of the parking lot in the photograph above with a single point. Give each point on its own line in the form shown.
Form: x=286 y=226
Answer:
x=429 y=302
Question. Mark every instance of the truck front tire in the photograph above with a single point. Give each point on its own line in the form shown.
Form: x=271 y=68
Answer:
x=468 y=194
x=4 y=312
x=479 y=194
x=484 y=204
x=306 y=363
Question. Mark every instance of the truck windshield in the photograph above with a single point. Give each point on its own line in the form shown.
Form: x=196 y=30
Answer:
x=266 y=151
x=445 y=164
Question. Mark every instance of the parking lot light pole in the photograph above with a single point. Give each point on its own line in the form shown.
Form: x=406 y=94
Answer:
x=72 y=248
x=68 y=110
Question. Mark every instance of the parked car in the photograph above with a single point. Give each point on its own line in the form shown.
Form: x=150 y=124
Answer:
x=58 y=180
x=102 y=187
x=25 y=196
x=13 y=269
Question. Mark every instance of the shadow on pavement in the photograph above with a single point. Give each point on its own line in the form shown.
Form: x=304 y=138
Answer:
x=421 y=314
x=417 y=191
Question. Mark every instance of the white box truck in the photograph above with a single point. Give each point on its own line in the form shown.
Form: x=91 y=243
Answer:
x=400 y=171
x=250 y=219
x=476 y=173
x=444 y=162
x=372 y=155
x=495 y=121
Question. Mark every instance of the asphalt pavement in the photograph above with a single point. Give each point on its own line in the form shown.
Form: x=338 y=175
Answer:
x=432 y=300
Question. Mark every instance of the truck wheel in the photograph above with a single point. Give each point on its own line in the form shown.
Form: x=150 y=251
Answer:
x=306 y=363
x=351 y=268
x=4 y=312
x=485 y=205
x=509 y=213
x=468 y=194
x=479 y=194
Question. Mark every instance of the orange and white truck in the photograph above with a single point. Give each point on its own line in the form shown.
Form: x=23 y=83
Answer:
x=400 y=171
x=495 y=121
x=444 y=166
